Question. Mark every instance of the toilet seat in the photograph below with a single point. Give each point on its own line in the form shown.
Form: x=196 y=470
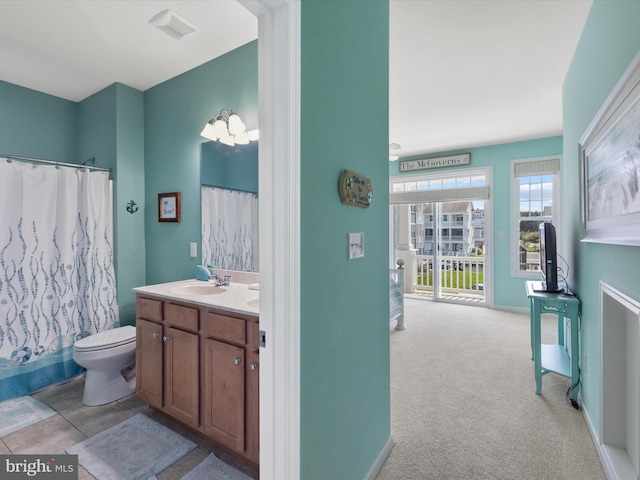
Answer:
x=106 y=339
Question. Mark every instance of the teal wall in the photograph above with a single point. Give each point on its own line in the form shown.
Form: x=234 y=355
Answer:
x=129 y=185
x=110 y=129
x=508 y=291
x=34 y=124
x=609 y=42
x=175 y=113
x=230 y=167
x=344 y=304
x=96 y=134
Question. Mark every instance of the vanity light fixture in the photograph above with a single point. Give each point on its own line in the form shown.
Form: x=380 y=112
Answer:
x=227 y=127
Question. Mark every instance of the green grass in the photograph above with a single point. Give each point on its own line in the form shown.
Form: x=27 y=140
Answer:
x=453 y=279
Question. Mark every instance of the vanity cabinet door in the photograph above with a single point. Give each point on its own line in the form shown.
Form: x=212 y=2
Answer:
x=149 y=362
x=253 y=406
x=181 y=375
x=224 y=393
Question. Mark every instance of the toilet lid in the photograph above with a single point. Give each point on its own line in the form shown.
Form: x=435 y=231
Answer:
x=108 y=338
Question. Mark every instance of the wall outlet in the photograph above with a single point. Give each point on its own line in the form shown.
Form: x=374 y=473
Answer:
x=584 y=363
x=193 y=249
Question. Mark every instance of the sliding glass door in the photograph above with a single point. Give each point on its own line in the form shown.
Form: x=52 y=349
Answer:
x=447 y=242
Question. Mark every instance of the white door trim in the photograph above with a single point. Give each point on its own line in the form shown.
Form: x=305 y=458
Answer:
x=279 y=185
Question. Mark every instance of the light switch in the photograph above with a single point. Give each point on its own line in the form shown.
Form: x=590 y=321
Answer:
x=193 y=249
x=355 y=245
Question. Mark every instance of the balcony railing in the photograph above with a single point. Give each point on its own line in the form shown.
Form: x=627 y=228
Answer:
x=458 y=275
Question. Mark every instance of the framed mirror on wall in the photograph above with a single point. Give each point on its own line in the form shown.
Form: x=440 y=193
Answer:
x=229 y=206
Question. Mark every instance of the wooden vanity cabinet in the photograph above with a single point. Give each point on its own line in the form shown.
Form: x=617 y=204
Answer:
x=252 y=419
x=224 y=378
x=181 y=376
x=167 y=358
x=224 y=393
x=200 y=366
x=149 y=368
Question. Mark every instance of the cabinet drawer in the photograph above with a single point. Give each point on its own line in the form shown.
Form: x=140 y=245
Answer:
x=149 y=309
x=230 y=329
x=185 y=318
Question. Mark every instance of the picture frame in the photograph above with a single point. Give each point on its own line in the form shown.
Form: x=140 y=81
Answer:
x=169 y=207
x=610 y=165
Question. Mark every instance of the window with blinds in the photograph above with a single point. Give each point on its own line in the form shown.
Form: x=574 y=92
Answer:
x=439 y=189
x=534 y=186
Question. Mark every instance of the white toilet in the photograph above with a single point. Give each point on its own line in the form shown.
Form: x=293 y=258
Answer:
x=105 y=355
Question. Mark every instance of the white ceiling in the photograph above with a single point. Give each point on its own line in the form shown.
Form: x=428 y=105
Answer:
x=462 y=73
x=73 y=49
x=472 y=73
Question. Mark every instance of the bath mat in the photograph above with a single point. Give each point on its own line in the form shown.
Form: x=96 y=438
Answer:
x=18 y=413
x=135 y=449
x=212 y=468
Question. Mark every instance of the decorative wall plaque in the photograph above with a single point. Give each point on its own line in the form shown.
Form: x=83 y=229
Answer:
x=436 y=162
x=355 y=189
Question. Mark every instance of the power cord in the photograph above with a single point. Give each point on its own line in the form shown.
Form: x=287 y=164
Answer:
x=562 y=276
x=571 y=401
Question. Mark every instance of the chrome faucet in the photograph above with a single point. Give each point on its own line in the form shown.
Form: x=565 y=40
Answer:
x=224 y=282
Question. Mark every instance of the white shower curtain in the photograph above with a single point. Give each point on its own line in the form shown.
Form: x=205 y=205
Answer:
x=229 y=229
x=57 y=282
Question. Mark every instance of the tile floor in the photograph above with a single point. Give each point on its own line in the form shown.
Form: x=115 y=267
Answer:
x=75 y=422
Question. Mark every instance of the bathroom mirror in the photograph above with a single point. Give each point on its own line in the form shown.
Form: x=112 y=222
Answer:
x=229 y=205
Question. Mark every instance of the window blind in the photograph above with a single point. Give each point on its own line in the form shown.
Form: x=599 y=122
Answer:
x=548 y=166
x=439 y=195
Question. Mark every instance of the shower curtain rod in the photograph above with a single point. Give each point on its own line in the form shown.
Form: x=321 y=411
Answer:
x=230 y=189
x=53 y=162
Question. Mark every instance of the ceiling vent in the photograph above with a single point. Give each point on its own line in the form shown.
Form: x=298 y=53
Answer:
x=173 y=24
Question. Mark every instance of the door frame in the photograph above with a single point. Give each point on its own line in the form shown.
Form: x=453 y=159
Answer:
x=487 y=171
x=279 y=213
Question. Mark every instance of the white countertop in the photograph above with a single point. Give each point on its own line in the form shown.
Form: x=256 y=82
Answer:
x=237 y=297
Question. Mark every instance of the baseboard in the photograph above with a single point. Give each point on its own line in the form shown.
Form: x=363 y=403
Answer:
x=506 y=308
x=380 y=459
x=603 y=455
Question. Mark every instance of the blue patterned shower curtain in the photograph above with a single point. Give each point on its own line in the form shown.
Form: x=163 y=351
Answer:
x=57 y=281
x=229 y=229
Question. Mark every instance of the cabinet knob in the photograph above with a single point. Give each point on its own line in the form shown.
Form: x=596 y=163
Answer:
x=155 y=335
x=165 y=338
x=253 y=366
x=236 y=361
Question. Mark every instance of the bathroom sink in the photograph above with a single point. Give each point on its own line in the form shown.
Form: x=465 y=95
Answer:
x=204 y=289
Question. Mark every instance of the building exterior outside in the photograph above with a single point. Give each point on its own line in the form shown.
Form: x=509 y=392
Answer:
x=461 y=228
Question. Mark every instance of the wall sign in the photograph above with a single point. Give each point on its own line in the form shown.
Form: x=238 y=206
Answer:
x=436 y=162
x=355 y=189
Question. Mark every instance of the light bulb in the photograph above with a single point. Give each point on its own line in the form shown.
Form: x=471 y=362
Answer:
x=220 y=128
x=209 y=132
x=242 y=139
x=253 y=134
x=227 y=140
x=236 y=126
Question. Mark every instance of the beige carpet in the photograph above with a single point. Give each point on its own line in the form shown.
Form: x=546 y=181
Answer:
x=463 y=403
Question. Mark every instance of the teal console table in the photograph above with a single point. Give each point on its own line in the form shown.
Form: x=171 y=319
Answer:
x=554 y=358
